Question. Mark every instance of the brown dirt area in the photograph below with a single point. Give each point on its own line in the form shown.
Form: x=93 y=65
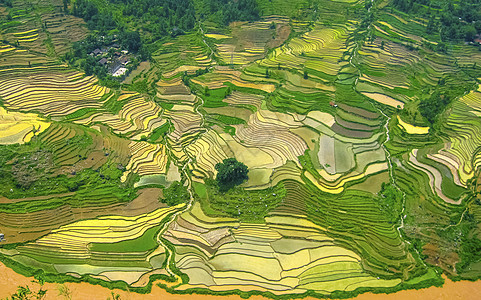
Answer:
x=282 y=33
x=9 y=280
x=444 y=259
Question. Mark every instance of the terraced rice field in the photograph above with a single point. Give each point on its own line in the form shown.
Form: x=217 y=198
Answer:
x=51 y=94
x=19 y=128
x=350 y=189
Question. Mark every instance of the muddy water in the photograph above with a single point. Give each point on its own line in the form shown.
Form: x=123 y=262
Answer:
x=9 y=281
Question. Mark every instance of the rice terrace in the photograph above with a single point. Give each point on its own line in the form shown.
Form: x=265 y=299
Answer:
x=274 y=148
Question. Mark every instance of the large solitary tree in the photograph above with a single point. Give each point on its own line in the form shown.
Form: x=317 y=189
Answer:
x=230 y=173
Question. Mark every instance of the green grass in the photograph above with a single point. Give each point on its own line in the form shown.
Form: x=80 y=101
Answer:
x=114 y=106
x=214 y=98
x=146 y=242
x=159 y=132
x=80 y=113
x=248 y=206
x=228 y=120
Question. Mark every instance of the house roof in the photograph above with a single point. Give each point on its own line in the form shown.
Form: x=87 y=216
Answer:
x=115 y=66
x=97 y=51
x=124 y=60
x=103 y=61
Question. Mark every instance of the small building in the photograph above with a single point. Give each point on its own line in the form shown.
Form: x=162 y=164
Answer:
x=333 y=104
x=117 y=54
x=114 y=67
x=103 y=61
x=97 y=52
x=119 y=72
x=125 y=51
x=124 y=60
x=115 y=45
x=2 y=237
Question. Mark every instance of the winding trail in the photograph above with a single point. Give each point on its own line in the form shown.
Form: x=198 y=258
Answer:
x=203 y=39
x=170 y=254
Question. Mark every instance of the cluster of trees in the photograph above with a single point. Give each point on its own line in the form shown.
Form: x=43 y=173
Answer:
x=455 y=20
x=390 y=201
x=230 y=173
x=157 y=18
x=226 y=11
x=101 y=21
x=162 y=16
x=79 y=54
x=466 y=235
x=8 y=3
x=431 y=107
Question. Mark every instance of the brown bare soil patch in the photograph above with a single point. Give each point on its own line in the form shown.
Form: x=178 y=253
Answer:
x=354 y=126
x=237 y=112
x=358 y=111
x=350 y=133
x=443 y=258
x=95 y=160
x=145 y=65
x=282 y=33
x=9 y=281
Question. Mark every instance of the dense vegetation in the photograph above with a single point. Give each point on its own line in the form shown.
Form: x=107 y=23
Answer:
x=230 y=173
x=30 y=170
x=163 y=16
x=432 y=106
x=100 y=20
x=226 y=11
x=453 y=20
x=175 y=194
x=248 y=206
x=122 y=20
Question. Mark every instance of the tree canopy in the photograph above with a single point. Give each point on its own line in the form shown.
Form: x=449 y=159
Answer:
x=230 y=173
x=455 y=20
x=431 y=107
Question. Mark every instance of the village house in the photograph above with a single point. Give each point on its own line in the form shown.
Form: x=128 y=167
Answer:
x=333 y=104
x=96 y=52
x=103 y=61
x=124 y=60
